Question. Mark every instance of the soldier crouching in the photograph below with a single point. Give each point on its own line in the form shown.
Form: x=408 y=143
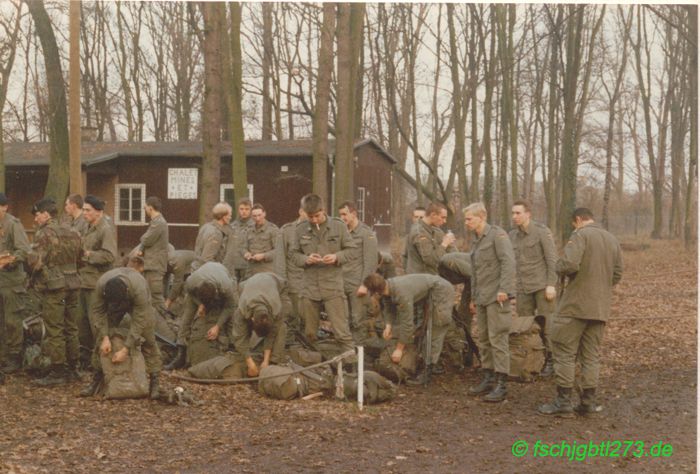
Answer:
x=118 y=292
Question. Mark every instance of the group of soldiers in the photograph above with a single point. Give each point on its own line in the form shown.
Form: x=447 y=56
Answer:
x=248 y=282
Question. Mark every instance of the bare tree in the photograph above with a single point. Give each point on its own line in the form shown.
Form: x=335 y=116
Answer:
x=8 y=48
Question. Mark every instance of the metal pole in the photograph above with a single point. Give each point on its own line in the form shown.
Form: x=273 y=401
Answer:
x=360 y=376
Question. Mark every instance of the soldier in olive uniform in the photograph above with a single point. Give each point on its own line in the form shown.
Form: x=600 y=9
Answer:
x=99 y=253
x=118 y=292
x=363 y=263
x=427 y=242
x=153 y=247
x=291 y=272
x=74 y=214
x=210 y=299
x=14 y=247
x=399 y=296
x=261 y=309
x=456 y=267
x=240 y=228
x=418 y=214
x=179 y=265
x=592 y=261
x=212 y=244
x=536 y=277
x=492 y=283
x=322 y=245
x=54 y=262
x=261 y=239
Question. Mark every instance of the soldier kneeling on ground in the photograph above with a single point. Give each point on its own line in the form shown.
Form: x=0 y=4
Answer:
x=399 y=295
x=118 y=292
x=210 y=299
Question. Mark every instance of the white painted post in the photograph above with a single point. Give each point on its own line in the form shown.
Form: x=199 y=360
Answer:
x=360 y=376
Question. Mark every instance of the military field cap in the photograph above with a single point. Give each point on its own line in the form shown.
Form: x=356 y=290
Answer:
x=3 y=200
x=43 y=205
x=95 y=202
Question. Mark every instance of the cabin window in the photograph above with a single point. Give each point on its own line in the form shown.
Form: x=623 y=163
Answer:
x=129 y=201
x=226 y=195
x=360 y=203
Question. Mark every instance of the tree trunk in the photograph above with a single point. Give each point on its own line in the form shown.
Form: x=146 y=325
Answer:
x=238 y=157
x=76 y=175
x=57 y=186
x=267 y=71
x=211 y=118
x=323 y=94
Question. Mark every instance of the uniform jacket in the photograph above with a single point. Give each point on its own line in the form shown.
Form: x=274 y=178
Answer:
x=240 y=237
x=100 y=242
x=425 y=248
x=55 y=253
x=331 y=237
x=493 y=266
x=262 y=240
x=593 y=262
x=139 y=303
x=179 y=265
x=211 y=244
x=217 y=274
x=154 y=245
x=13 y=241
x=364 y=260
x=283 y=262
x=535 y=258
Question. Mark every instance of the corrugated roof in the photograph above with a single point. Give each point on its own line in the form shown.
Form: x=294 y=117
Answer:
x=37 y=154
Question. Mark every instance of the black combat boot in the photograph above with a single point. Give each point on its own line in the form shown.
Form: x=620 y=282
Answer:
x=180 y=359
x=486 y=384
x=548 y=368
x=499 y=392
x=561 y=406
x=588 y=404
x=58 y=375
x=154 y=387
x=421 y=378
x=13 y=364
x=72 y=371
x=91 y=389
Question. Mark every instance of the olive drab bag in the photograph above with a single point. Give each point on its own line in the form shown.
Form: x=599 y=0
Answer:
x=401 y=371
x=526 y=348
x=226 y=366
x=126 y=379
x=288 y=385
x=377 y=389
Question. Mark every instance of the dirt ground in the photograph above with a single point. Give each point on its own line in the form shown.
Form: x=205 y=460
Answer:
x=648 y=388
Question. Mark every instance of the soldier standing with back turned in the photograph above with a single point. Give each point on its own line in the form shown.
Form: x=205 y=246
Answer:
x=592 y=261
x=153 y=247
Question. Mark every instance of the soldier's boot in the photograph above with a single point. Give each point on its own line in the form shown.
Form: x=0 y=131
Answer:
x=588 y=404
x=91 y=389
x=487 y=382
x=13 y=364
x=561 y=406
x=499 y=392
x=180 y=359
x=548 y=368
x=154 y=387
x=469 y=358
x=72 y=371
x=58 y=375
x=421 y=378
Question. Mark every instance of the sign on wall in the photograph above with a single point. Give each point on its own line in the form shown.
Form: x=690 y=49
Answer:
x=182 y=183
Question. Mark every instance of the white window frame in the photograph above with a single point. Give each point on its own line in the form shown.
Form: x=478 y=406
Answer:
x=360 y=203
x=117 y=203
x=224 y=187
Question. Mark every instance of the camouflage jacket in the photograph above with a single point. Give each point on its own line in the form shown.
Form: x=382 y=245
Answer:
x=54 y=257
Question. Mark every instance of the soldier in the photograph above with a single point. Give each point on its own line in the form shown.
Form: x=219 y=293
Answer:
x=153 y=247
x=118 y=292
x=210 y=299
x=426 y=242
x=385 y=265
x=179 y=265
x=54 y=262
x=492 y=282
x=240 y=229
x=98 y=255
x=536 y=277
x=456 y=267
x=362 y=264
x=592 y=261
x=14 y=247
x=213 y=238
x=418 y=214
x=400 y=295
x=261 y=239
x=322 y=245
x=291 y=272
x=74 y=212
x=261 y=310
